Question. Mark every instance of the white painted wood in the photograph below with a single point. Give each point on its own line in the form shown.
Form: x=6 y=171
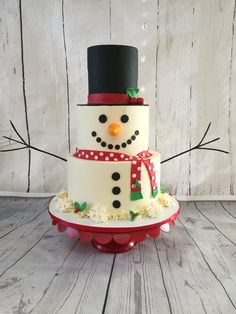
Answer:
x=19 y=212
x=187 y=66
x=173 y=110
x=15 y=244
x=47 y=272
x=12 y=177
x=218 y=217
x=190 y=279
x=210 y=78
x=190 y=270
x=25 y=194
x=46 y=93
x=230 y=208
x=139 y=274
x=216 y=248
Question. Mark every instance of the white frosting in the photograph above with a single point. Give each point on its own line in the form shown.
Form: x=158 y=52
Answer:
x=88 y=122
x=91 y=181
x=165 y=214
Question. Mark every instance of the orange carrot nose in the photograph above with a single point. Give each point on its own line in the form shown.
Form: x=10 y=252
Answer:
x=114 y=128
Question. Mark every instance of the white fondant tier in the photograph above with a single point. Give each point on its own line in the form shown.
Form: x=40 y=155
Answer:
x=131 y=137
x=94 y=182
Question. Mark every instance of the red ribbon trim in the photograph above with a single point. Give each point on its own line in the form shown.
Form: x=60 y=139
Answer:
x=136 y=162
x=109 y=99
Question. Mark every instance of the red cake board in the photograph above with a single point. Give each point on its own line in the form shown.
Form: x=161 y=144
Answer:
x=110 y=239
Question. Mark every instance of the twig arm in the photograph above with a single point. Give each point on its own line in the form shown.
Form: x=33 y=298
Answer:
x=34 y=148
x=11 y=150
x=199 y=146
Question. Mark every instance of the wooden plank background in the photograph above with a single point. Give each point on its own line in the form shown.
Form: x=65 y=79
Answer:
x=187 y=73
x=191 y=270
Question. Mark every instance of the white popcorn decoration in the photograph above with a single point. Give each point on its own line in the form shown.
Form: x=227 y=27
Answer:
x=62 y=195
x=98 y=214
x=64 y=205
x=164 y=199
x=153 y=208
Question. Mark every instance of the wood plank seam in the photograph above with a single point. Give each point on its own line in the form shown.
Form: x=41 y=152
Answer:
x=25 y=253
x=67 y=76
x=24 y=92
x=24 y=224
x=227 y=211
x=163 y=278
x=230 y=100
x=225 y=236
x=56 y=274
x=156 y=77
x=204 y=258
x=108 y=285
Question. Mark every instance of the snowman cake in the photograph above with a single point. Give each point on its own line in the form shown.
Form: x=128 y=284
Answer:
x=112 y=174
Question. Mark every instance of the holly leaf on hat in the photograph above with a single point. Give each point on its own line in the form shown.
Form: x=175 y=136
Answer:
x=132 y=92
x=83 y=206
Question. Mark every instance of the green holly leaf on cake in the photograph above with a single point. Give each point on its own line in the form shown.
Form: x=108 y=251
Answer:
x=162 y=189
x=79 y=207
x=132 y=92
x=137 y=184
x=83 y=206
x=133 y=215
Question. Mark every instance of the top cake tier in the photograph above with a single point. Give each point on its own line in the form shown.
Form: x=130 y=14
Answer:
x=112 y=69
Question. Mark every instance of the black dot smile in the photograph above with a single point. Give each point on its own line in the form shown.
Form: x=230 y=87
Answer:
x=117 y=146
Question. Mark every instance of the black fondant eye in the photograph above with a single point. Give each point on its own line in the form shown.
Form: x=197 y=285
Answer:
x=103 y=118
x=124 y=118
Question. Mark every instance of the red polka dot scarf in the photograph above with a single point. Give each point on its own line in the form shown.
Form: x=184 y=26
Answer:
x=136 y=163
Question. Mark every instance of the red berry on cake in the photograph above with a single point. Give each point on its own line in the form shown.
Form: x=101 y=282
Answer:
x=133 y=101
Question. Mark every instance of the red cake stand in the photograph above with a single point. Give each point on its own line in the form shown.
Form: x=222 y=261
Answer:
x=116 y=236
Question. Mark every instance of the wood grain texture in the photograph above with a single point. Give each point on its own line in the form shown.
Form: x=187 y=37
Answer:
x=140 y=276
x=216 y=250
x=11 y=97
x=44 y=271
x=230 y=208
x=190 y=270
x=187 y=74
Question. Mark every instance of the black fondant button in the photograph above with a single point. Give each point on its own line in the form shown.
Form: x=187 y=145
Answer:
x=98 y=139
x=123 y=145
x=116 y=190
x=133 y=137
x=103 y=118
x=116 y=204
x=136 y=132
x=117 y=147
x=115 y=176
x=129 y=142
x=110 y=146
x=94 y=133
x=124 y=118
x=103 y=144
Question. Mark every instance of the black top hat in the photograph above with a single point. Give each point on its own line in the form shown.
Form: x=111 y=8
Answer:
x=112 y=68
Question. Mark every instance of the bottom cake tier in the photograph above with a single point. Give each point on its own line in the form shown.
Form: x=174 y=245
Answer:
x=114 y=190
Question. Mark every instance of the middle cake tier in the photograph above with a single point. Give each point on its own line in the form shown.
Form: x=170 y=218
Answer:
x=113 y=128
x=126 y=185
